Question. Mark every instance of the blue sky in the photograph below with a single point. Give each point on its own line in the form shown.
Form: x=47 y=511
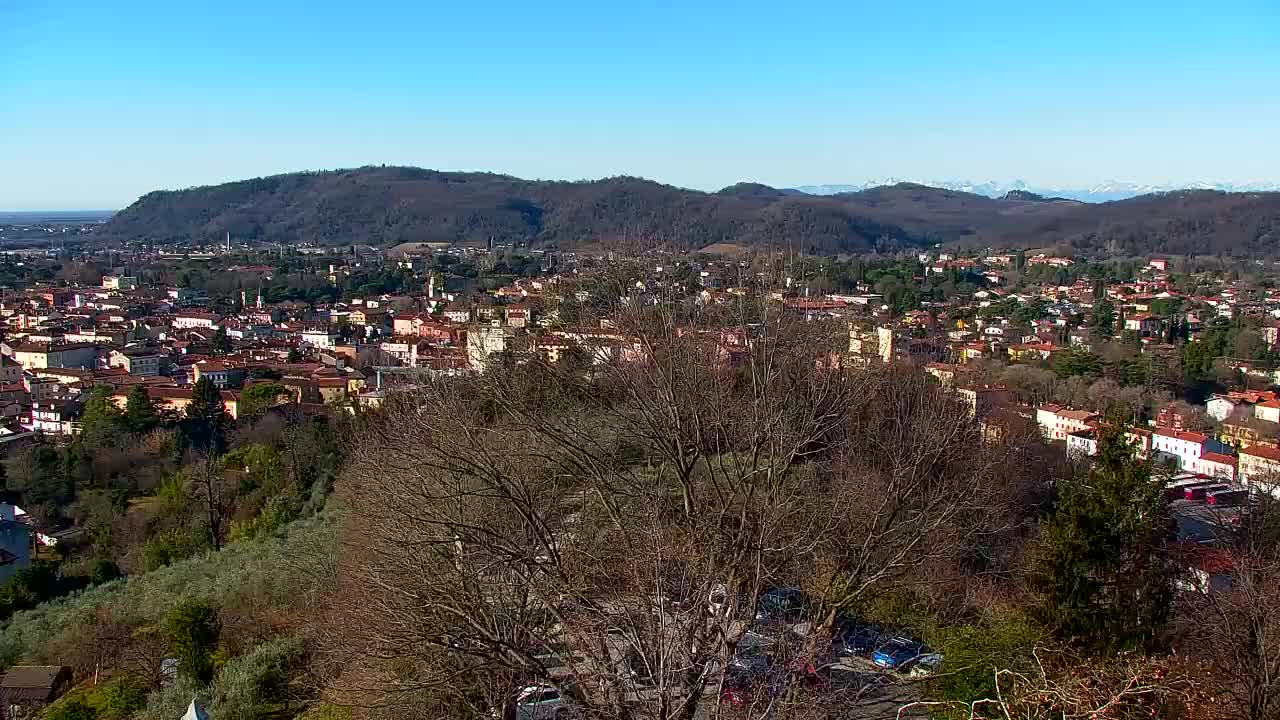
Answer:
x=103 y=101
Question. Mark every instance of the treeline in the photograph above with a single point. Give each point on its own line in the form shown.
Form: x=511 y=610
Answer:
x=144 y=488
x=385 y=206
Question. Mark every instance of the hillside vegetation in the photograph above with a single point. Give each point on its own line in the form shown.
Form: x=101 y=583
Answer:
x=389 y=205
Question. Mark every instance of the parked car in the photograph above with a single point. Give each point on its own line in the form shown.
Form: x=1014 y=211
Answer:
x=855 y=638
x=786 y=605
x=740 y=687
x=1199 y=492
x=925 y=665
x=1231 y=497
x=541 y=702
x=898 y=653
x=746 y=684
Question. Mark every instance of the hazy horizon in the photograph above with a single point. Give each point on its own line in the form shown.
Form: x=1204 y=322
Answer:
x=6 y=213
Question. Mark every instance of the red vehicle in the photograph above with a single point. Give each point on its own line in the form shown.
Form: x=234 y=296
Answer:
x=1198 y=492
x=1231 y=497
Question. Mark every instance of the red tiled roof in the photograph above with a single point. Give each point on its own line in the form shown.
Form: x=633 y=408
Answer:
x=1262 y=451
x=1219 y=458
x=1194 y=437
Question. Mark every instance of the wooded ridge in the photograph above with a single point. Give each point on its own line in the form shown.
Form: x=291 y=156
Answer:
x=389 y=205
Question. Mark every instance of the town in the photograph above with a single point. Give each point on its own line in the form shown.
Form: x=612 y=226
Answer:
x=1189 y=352
x=116 y=358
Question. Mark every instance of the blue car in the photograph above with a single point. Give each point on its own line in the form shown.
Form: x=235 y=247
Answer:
x=897 y=653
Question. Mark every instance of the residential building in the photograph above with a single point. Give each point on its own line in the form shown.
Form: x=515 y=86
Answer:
x=1142 y=323
x=1221 y=406
x=214 y=371
x=322 y=339
x=143 y=362
x=10 y=370
x=1259 y=467
x=1084 y=443
x=1218 y=465
x=56 y=416
x=196 y=320
x=119 y=282
x=485 y=341
x=981 y=401
x=27 y=689
x=1187 y=448
x=1056 y=421
x=32 y=356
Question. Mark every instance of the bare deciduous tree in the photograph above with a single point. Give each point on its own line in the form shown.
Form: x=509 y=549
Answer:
x=610 y=530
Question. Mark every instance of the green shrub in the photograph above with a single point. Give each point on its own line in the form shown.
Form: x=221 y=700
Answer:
x=266 y=573
x=192 y=629
x=70 y=708
x=171 y=702
x=260 y=677
x=169 y=546
x=972 y=653
x=117 y=700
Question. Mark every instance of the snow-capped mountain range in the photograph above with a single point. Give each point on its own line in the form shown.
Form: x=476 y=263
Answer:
x=1102 y=192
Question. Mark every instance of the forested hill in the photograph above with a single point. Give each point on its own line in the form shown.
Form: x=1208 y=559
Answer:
x=388 y=205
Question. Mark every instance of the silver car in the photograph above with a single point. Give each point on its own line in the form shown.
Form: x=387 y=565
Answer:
x=543 y=702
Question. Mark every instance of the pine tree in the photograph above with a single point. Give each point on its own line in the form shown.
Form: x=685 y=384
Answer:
x=139 y=412
x=101 y=421
x=221 y=343
x=207 y=417
x=192 y=630
x=1102 y=567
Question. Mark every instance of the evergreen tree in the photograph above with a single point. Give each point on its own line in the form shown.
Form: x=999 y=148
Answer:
x=221 y=343
x=192 y=630
x=1102 y=568
x=101 y=421
x=257 y=398
x=139 y=412
x=207 y=418
x=1103 y=317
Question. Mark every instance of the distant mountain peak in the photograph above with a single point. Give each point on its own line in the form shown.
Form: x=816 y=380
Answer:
x=1105 y=191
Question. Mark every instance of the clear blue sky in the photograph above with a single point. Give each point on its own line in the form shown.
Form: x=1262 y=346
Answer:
x=102 y=101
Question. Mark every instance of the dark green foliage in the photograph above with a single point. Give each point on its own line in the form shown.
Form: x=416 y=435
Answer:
x=140 y=412
x=973 y=652
x=33 y=585
x=1103 y=317
x=113 y=700
x=257 y=398
x=260 y=677
x=192 y=631
x=1075 y=361
x=74 y=708
x=1102 y=566
x=104 y=570
x=117 y=700
x=221 y=343
x=102 y=423
x=208 y=421
x=169 y=546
